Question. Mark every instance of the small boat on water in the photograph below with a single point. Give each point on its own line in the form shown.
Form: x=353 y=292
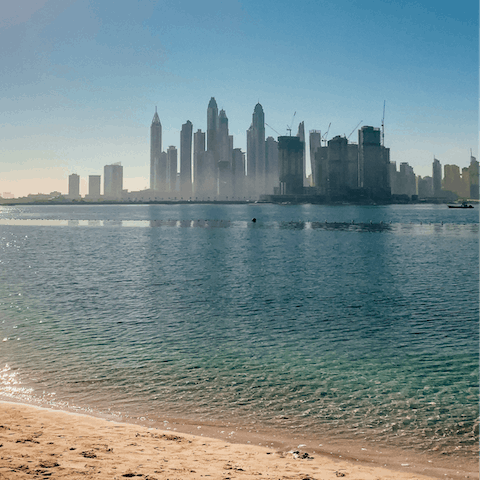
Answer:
x=463 y=205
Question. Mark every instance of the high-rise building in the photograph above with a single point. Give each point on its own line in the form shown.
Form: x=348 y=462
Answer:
x=186 y=160
x=393 y=178
x=212 y=125
x=301 y=136
x=256 y=174
x=224 y=149
x=290 y=165
x=161 y=174
x=212 y=156
x=340 y=168
x=94 y=186
x=238 y=173
x=113 y=181
x=271 y=165
x=451 y=178
x=315 y=142
x=437 y=178
x=335 y=167
x=373 y=163
x=406 y=182
x=74 y=186
x=473 y=177
x=172 y=161
x=198 y=162
x=425 y=187
x=155 y=146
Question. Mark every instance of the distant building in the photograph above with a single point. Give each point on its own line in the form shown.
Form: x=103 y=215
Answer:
x=406 y=182
x=290 y=165
x=341 y=167
x=172 y=162
x=473 y=178
x=212 y=125
x=452 y=181
x=437 y=178
x=74 y=186
x=225 y=152
x=373 y=163
x=256 y=174
x=315 y=142
x=186 y=160
x=238 y=173
x=301 y=136
x=113 y=181
x=271 y=165
x=199 y=163
x=94 y=186
x=393 y=174
x=425 y=187
x=212 y=155
x=161 y=174
x=336 y=168
x=155 y=147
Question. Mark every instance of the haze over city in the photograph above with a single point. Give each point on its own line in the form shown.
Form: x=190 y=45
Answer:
x=82 y=79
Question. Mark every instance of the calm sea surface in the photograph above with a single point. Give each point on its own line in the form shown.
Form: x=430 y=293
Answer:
x=351 y=320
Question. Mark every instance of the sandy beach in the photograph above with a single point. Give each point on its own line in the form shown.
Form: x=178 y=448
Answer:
x=43 y=443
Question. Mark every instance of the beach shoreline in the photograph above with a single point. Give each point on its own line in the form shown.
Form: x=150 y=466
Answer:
x=31 y=435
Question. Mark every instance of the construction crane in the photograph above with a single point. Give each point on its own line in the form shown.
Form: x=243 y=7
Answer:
x=358 y=124
x=324 y=136
x=272 y=129
x=383 y=125
x=289 y=127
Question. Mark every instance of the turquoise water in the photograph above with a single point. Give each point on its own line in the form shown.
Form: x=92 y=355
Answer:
x=362 y=321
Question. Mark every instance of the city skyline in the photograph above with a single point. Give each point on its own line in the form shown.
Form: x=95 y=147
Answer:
x=80 y=97
x=214 y=169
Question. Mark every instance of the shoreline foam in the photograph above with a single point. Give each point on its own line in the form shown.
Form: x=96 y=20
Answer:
x=68 y=444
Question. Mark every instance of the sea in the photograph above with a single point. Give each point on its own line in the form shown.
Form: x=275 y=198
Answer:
x=349 y=323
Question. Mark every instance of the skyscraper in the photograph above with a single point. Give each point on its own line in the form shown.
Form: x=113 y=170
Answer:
x=341 y=167
x=212 y=157
x=172 y=161
x=315 y=141
x=212 y=125
x=290 y=165
x=238 y=173
x=198 y=162
x=155 y=146
x=301 y=136
x=186 y=160
x=373 y=163
x=473 y=178
x=271 y=165
x=437 y=177
x=256 y=174
x=161 y=173
x=74 y=186
x=113 y=181
x=224 y=150
x=94 y=186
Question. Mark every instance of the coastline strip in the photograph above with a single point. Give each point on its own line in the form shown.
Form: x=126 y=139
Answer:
x=40 y=441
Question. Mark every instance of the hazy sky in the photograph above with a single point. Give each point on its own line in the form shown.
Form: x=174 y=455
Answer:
x=81 y=79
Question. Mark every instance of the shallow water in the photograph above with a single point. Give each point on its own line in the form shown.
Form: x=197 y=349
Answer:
x=356 y=321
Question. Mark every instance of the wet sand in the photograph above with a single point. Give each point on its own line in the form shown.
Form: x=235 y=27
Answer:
x=43 y=443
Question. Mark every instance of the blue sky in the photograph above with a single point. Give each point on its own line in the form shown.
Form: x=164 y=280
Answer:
x=81 y=79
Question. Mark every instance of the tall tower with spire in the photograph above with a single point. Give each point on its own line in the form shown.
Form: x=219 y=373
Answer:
x=186 y=159
x=256 y=172
x=212 y=125
x=212 y=155
x=155 y=146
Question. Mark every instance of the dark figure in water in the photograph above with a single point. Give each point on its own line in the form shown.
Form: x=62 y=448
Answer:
x=254 y=220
